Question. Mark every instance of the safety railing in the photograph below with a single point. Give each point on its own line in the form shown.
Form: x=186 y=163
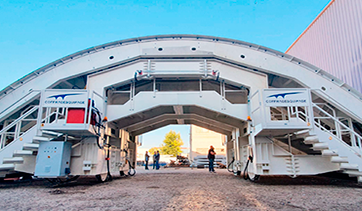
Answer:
x=281 y=108
x=18 y=127
x=352 y=138
x=288 y=113
x=70 y=109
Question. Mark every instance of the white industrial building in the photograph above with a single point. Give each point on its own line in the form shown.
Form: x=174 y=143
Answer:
x=333 y=42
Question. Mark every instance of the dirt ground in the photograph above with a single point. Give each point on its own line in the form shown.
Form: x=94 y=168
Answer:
x=184 y=189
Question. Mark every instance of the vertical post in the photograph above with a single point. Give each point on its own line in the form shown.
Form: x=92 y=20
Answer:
x=338 y=129
x=289 y=144
x=57 y=115
x=237 y=136
x=17 y=128
x=359 y=142
x=310 y=114
x=352 y=135
x=40 y=113
x=237 y=161
x=88 y=109
x=2 y=140
x=200 y=86
x=148 y=67
x=154 y=85
x=252 y=144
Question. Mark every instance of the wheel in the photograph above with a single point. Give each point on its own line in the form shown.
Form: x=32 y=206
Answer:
x=251 y=175
x=103 y=177
x=131 y=172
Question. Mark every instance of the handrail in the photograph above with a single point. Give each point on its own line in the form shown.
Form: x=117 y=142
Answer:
x=325 y=104
x=19 y=119
x=319 y=92
x=341 y=124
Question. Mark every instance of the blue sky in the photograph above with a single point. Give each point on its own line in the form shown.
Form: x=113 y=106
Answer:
x=35 y=33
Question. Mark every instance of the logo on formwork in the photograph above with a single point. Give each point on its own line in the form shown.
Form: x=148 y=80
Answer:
x=60 y=100
x=289 y=98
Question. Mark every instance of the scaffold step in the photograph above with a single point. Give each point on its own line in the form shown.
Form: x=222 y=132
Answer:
x=311 y=140
x=320 y=146
x=302 y=133
x=327 y=152
x=51 y=133
x=40 y=138
x=13 y=160
x=348 y=166
x=22 y=152
x=352 y=173
x=7 y=167
x=30 y=146
x=336 y=159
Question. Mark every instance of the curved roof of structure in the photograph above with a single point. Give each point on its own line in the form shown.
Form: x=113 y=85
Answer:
x=106 y=46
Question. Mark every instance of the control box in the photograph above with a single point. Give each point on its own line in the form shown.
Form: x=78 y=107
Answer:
x=53 y=159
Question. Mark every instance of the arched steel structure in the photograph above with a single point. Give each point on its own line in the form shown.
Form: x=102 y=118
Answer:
x=302 y=121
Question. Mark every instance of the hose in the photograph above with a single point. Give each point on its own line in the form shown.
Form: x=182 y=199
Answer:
x=230 y=164
x=245 y=173
x=97 y=125
x=109 y=176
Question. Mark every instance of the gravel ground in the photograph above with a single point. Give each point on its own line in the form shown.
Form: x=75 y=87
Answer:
x=184 y=189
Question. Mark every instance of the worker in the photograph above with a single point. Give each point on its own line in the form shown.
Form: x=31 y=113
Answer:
x=154 y=159
x=157 y=160
x=211 y=157
x=147 y=157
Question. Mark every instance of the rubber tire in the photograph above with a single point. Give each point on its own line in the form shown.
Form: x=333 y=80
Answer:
x=131 y=172
x=251 y=176
x=255 y=178
x=103 y=177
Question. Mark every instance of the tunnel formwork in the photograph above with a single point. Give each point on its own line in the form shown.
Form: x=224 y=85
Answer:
x=82 y=114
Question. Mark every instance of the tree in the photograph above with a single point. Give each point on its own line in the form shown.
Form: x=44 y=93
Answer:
x=152 y=150
x=172 y=144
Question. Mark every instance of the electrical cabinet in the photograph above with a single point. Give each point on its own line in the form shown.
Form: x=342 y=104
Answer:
x=53 y=159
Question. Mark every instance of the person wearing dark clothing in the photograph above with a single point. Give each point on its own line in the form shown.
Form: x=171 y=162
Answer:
x=157 y=157
x=154 y=159
x=147 y=157
x=211 y=157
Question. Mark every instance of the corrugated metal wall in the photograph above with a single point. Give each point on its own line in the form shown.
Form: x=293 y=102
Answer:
x=333 y=41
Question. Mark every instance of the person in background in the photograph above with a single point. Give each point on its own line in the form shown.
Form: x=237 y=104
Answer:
x=211 y=157
x=154 y=159
x=157 y=160
x=147 y=157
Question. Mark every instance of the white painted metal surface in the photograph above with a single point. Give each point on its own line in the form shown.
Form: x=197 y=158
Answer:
x=147 y=83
